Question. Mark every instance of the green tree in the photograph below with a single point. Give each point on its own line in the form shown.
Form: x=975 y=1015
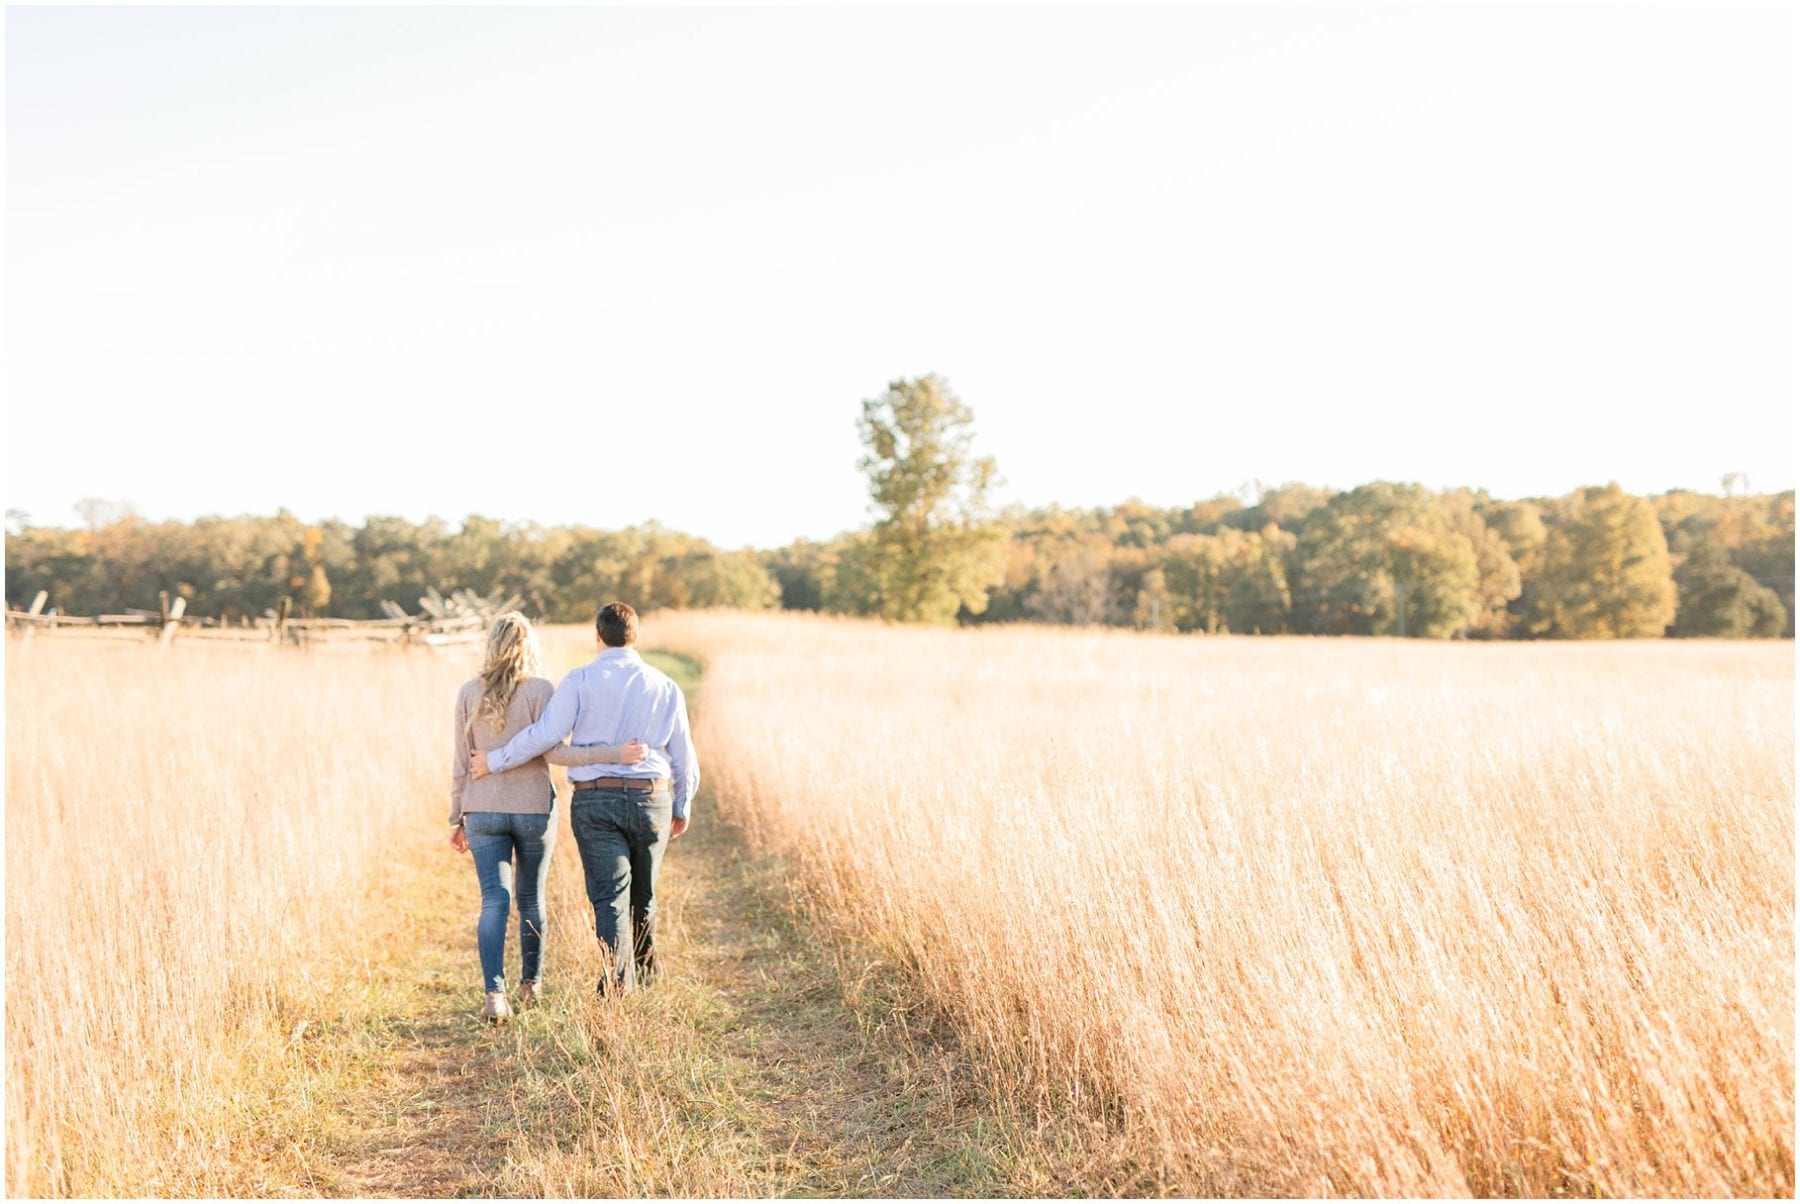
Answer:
x=1756 y=532
x=736 y=580
x=1257 y=599
x=1495 y=568
x=1385 y=559
x=1006 y=602
x=850 y=580
x=1770 y=558
x=1286 y=506
x=1194 y=570
x=1716 y=598
x=799 y=570
x=1606 y=571
x=1204 y=517
x=1228 y=581
x=49 y=559
x=1521 y=526
x=395 y=560
x=1134 y=524
x=933 y=551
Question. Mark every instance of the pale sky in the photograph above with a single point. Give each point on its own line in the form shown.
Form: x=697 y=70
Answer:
x=603 y=266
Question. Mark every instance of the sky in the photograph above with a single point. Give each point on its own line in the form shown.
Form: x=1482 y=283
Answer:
x=610 y=265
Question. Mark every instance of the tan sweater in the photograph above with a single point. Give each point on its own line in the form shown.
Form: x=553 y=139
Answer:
x=524 y=789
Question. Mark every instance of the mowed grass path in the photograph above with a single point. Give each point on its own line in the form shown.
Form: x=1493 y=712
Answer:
x=749 y=1070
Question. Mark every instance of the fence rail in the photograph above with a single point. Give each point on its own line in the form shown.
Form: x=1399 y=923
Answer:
x=444 y=623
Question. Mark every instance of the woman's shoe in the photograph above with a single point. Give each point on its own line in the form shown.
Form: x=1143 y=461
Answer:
x=496 y=1009
x=530 y=994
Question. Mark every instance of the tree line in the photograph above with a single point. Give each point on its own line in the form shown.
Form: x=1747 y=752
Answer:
x=237 y=568
x=1380 y=559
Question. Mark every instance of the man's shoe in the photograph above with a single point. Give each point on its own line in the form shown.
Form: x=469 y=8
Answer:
x=531 y=993
x=496 y=1009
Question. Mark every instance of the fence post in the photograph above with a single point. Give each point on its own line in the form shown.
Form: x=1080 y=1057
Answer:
x=37 y=608
x=171 y=621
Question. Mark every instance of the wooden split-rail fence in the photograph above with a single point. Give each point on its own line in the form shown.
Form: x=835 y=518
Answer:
x=456 y=621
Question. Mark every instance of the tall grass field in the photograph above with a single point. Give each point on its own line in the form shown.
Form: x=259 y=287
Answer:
x=1290 y=916
x=194 y=846
x=1202 y=916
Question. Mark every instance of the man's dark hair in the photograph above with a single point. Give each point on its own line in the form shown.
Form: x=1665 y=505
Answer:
x=617 y=624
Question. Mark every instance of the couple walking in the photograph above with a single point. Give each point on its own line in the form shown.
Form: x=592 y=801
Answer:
x=634 y=772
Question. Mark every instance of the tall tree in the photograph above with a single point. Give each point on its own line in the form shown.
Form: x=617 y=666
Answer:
x=1257 y=599
x=933 y=550
x=1606 y=571
x=1228 y=581
x=1756 y=532
x=1495 y=567
x=1716 y=598
x=1770 y=558
x=1385 y=559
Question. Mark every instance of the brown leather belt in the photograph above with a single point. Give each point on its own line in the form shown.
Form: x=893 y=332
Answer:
x=622 y=784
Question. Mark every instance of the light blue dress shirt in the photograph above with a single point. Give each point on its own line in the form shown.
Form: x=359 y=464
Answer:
x=612 y=699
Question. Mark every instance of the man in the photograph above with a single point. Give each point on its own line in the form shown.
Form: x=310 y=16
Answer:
x=623 y=816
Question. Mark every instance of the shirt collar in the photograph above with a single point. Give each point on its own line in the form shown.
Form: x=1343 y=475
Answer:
x=618 y=654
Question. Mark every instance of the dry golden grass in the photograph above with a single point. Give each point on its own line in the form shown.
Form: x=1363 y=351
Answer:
x=1218 y=916
x=208 y=849
x=1305 y=916
x=191 y=843
x=748 y=1071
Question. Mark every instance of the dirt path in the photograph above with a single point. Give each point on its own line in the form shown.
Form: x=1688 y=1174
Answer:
x=399 y=1098
x=835 y=1106
x=746 y=1071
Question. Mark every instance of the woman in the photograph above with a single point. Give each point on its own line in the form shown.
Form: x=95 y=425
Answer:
x=507 y=820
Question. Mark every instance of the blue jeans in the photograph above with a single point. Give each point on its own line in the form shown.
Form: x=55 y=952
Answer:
x=622 y=835
x=496 y=839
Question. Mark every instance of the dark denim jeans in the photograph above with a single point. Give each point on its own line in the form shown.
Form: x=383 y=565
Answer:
x=622 y=835
x=498 y=840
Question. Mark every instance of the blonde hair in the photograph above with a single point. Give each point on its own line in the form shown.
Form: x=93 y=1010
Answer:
x=512 y=656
